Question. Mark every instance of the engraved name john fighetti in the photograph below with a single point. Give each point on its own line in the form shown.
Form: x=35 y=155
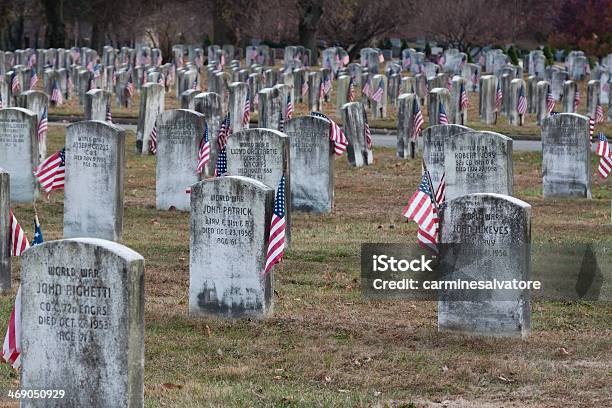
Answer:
x=74 y=303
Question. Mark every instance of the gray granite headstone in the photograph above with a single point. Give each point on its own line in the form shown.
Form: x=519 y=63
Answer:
x=82 y=323
x=93 y=192
x=353 y=119
x=229 y=230
x=311 y=164
x=37 y=102
x=433 y=148
x=269 y=108
x=569 y=94
x=541 y=104
x=477 y=162
x=592 y=99
x=437 y=95
x=487 y=108
x=179 y=133
x=97 y=102
x=485 y=237
x=5 y=231
x=151 y=105
x=238 y=92
x=19 y=153
x=262 y=154
x=406 y=145
x=314 y=89
x=188 y=98
x=566 y=156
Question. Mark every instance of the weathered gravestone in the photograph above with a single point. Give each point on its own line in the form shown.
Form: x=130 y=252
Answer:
x=37 y=102
x=312 y=164
x=238 y=93
x=433 y=149
x=262 y=154
x=358 y=152
x=541 y=101
x=179 y=133
x=97 y=102
x=406 y=112
x=82 y=323
x=5 y=231
x=477 y=162
x=487 y=107
x=93 y=192
x=438 y=98
x=188 y=98
x=485 y=237
x=566 y=156
x=569 y=96
x=151 y=105
x=592 y=100
x=19 y=151
x=269 y=109
x=229 y=230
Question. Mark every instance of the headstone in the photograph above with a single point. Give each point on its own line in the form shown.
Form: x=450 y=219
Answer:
x=151 y=105
x=569 y=94
x=477 y=162
x=485 y=237
x=437 y=97
x=314 y=91
x=566 y=156
x=93 y=191
x=342 y=92
x=353 y=119
x=433 y=139
x=229 y=230
x=457 y=114
x=558 y=79
x=532 y=93
x=543 y=87
x=269 y=108
x=406 y=145
x=487 y=107
x=97 y=102
x=209 y=104
x=592 y=100
x=379 y=109
x=238 y=92
x=5 y=231
x=19 y=152
x=37 y=102
x=82 y=308
x=514 y=116
x=188 y=99
x=312 y=164
x=179 y=133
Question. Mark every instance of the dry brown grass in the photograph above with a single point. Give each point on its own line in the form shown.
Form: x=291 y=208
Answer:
x=327 y=346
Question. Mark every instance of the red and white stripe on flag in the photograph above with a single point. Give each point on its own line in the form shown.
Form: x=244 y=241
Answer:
x=338 y=138
x=441 y=191
x=51 y=173
x=605 y=166
x=11 y=348
x=19 y=241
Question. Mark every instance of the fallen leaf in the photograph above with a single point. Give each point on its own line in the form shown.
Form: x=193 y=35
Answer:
x=170 y=386
x=220 y=352
x=562 y=351
x=328 y=379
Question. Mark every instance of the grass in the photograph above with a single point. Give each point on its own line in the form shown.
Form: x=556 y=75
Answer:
x=327 y=346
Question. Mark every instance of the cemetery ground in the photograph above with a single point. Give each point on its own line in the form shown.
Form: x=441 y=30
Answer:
x=325 y=345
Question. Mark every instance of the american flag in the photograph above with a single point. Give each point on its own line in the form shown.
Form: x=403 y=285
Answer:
x=603 y=148
x=327 y=84
x=15 y=85
x=599 y=114
x=441 y=191
x=522 y=102
x=289 y=111
x=11 y=348
x=417 y=119
x=367 y=88
x=449 y=83
x=422 y=209
x=19 y=241
x=109 y=115
x=591 y=127
x=129 y=87
x=33 y=78
x=336 y=135
x=32 y=60
x=221 y=167
x=367 y=131
x=499 y=96
x=576 y=99
x=204 y=151
x=281 y=122
x=56 y=94
x=304 y=88
x=224 y=132
x=550 y=101
x=474 y=80
x=246 y=111
x=442 y=119
x=153 y=140
x=605 y=166
x=276 y=242
x=464 y=101
x=345 y=59
x=51 y=172
x=321 y=92
x=378 y=95
x=43 y=125
x=351 y=91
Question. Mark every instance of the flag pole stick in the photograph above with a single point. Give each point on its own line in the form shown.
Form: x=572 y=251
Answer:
x=431 y=189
